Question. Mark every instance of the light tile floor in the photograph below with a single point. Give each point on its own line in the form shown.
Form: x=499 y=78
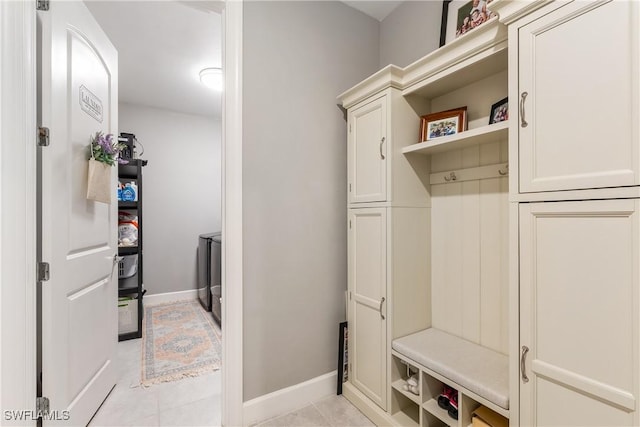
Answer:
x=334 y=411
x=197 y=402
x=188 y=402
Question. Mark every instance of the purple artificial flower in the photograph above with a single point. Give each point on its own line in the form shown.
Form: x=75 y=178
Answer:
x=122 y=161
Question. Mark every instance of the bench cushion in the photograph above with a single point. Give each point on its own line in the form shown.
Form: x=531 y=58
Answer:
x=478 y=369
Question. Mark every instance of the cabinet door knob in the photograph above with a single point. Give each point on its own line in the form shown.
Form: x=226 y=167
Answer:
x=380 y=309
x=523 y=121
x=381 y=143
x=523 y=362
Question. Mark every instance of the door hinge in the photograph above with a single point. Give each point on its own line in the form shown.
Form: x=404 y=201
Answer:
x=42 y=5
x=349 y=127
x=42 y=405
x=349 y=224
x=349 y=295
x=43 y=271
x=43 y=137
x=349 y=187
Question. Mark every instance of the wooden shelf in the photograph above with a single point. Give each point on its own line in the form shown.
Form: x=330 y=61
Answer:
x=409 y=416
x=397 y=385
x=470 y=58
x=431 y=79
x=464 y=139
x=431 y=406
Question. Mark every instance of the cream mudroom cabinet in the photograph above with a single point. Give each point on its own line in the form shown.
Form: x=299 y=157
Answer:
x=387 y=204
x=368 y=151
x=378 y=128
x=577 y=203
x=367 y=296
x=579 y=313
x=516 y=243
x=578 y=96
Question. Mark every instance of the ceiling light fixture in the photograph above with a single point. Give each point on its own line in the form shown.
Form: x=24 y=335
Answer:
x=212 y=78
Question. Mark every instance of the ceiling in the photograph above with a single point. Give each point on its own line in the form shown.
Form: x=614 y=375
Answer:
x=376 y=9
x=162 y=46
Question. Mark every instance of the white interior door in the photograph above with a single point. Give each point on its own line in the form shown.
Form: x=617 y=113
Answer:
x=367 y=308
x=579 y=313
x=78 y=76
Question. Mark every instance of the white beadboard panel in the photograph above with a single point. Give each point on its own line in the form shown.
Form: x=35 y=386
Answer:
x=410 y=303
x=446 y=248
x=494 y=264
x=504 y=270
x=470 y=249
x=470 y=260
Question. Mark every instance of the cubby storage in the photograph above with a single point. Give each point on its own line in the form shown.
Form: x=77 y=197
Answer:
x=423 y=410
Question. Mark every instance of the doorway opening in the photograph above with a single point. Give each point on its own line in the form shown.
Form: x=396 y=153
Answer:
x=170 y=368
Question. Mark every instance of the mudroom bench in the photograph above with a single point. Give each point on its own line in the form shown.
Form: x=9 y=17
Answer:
x=480 y=375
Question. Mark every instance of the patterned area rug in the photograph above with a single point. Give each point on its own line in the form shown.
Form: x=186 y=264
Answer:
x=179 y=340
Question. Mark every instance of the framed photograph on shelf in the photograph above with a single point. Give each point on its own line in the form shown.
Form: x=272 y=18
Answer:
x=444 y=123
x=499 y=111
x=461 y=16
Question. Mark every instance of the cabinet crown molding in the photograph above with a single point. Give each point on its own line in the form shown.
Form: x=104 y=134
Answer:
x=433 y=66
x=511 y=10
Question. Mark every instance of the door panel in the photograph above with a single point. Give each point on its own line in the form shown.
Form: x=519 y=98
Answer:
x=579 y=311
x=91 y=225
x=78 y=238
x=560 y=406
x=572 y=75
x=368 y=152
x=367 y=286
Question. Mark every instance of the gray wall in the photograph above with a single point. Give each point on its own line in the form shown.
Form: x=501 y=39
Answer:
x=410 y=32
x=182 y=186
x=298 y=56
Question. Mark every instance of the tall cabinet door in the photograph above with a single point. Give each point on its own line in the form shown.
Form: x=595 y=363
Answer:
x=579 y=93
x=579 y=326
x=367 y=152
x=367 y=244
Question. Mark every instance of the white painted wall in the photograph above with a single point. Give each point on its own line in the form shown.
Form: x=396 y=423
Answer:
x=410 y=32
x=182 y=187
x=298 y=56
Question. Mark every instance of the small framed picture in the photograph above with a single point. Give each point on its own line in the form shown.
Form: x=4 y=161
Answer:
x=444 y=123
x=461 y=16
x=343 y=356
x=499 y=111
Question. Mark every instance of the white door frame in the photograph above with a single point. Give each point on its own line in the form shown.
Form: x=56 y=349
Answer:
x=18 y=211
x=232 y=356
x=18 y=207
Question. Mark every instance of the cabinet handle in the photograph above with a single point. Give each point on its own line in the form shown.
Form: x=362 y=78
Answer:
x=523 y=122
x=381 y=142
x=523 y=360
x=380 y=309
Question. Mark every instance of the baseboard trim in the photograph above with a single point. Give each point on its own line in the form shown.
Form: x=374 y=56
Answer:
x=288 y=399
x=154 y=299
x=367 y=407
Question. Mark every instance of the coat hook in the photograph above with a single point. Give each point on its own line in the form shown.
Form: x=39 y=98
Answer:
x=452 y=177
x=505 y=171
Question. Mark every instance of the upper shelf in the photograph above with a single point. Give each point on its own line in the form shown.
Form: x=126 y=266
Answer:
x=464 y=139
x=472 y=57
